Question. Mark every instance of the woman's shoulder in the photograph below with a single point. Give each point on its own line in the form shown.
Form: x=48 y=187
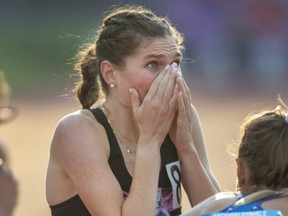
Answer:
x=76 y=120
x=79 y=132
x=81 y=115
x=76 y=126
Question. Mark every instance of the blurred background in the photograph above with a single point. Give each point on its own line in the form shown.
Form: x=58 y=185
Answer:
x=235 y=62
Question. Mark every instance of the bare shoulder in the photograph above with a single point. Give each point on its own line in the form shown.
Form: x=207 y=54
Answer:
x=79 y=153
x=83 y=117
x=78 y=131
x=76 y=123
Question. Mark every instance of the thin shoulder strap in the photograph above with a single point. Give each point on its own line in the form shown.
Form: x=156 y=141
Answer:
x=101 y=118
x=116 y=160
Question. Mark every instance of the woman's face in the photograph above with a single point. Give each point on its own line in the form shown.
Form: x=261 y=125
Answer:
x=146 y=63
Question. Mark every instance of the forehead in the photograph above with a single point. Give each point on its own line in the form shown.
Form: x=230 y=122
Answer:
x=158 y=47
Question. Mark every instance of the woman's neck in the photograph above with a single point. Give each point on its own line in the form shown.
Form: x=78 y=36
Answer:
x=121 y=119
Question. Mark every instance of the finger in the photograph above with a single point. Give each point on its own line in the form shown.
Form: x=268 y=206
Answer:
x=156 y=83
x=173 y=101
x=167 y=84
x=135 y=100
x=186 y=102
x=181 y=106
x=170 y=86
x=185 y=91
x=181 y=85
x=180 y=71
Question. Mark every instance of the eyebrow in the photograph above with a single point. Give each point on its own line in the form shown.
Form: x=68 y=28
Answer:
x=153 y=55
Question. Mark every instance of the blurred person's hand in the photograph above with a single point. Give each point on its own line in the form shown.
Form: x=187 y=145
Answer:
x=8 y=190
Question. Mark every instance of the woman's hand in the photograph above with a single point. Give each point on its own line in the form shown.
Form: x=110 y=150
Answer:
x=155 y=114
x=181 y=129
x=186 y=133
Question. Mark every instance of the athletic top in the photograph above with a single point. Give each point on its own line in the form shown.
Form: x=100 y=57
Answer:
x=169 y=190
x=253 y=206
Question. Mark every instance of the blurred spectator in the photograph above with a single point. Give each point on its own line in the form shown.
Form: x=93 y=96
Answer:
x=268 y=40
x=8 y=184
x=234 y=42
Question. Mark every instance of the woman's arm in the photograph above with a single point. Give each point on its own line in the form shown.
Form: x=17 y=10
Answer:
x=153 y=118
x=198 y=180
x=81 y=150
x=79 y=165
x=199 y=141
x=186 y=133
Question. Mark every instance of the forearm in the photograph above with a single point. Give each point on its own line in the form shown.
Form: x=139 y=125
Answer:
x=199 y=141
x=196 y=181
x=143 y=192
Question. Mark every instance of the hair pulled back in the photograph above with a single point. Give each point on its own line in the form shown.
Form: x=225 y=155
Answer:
x=120 y=34
x=264 y=149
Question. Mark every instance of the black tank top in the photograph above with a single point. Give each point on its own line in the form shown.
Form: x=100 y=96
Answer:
x=169 y=190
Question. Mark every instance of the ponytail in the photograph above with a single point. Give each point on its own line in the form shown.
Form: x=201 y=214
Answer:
x=87 y=88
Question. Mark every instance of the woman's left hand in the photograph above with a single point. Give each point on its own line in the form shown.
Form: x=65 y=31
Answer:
x=181 y=130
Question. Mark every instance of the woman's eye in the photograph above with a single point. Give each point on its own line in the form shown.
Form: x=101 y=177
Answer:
x=152 y=65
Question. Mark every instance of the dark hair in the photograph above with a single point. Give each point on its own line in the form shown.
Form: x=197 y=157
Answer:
x=121 y=32
x=264 y=149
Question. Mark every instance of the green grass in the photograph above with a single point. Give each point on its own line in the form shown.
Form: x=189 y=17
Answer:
x=39 y=55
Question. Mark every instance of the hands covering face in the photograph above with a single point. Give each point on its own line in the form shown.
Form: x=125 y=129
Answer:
x=166 y=108
x=181 y=129
x=154 y=116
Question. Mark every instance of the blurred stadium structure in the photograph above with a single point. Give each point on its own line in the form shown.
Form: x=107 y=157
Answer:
x=231 y=46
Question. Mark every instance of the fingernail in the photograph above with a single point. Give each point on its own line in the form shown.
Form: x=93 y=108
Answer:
x=166 y=67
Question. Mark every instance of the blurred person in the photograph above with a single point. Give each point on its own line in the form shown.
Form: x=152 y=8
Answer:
x=130 y=148
x=8 y=183
x=266 y=35
x=262 y=168
x=207 y=39
x=8 y=189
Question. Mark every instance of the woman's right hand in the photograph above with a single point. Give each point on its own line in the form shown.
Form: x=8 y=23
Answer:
x=153 y=118
x=155 y=114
